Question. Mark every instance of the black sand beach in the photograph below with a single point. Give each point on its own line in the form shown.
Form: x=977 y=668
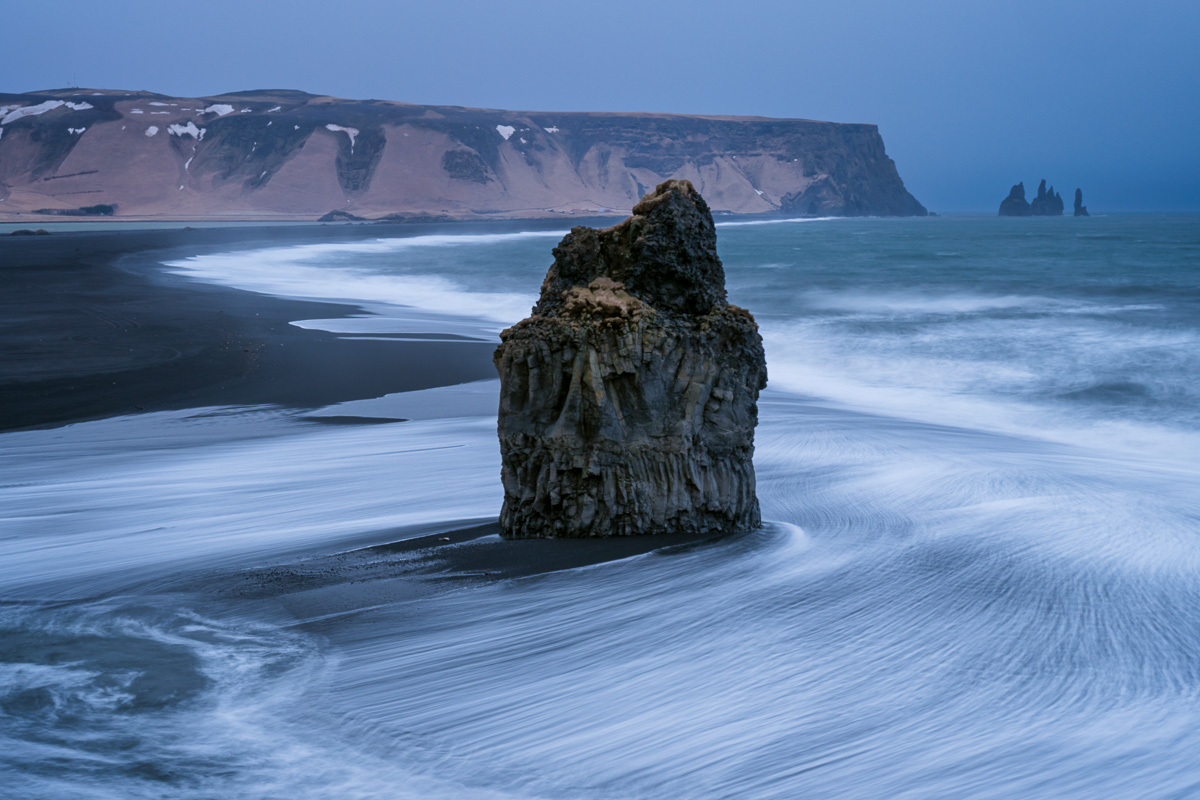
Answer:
x=90 y=328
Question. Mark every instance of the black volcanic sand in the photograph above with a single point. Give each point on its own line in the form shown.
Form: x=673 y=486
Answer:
x=91 y=328
x=316 y=590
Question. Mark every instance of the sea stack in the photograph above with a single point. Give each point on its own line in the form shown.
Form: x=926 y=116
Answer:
x=1080 y=208
x=629 y=398
x=1015 y=204
x=1048 y=203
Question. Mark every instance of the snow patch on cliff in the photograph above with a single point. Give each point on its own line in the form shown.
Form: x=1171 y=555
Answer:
x=14 y=112
x=152 y=130
x=351 y=132
x=31 y=111
x=505 y=131
x=220 y=109
x=187 y=130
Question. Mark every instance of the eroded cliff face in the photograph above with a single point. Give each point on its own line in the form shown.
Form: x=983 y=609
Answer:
x=629 y=398
x=288 y=154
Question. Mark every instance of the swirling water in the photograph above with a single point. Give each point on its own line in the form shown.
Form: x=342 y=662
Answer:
x=978 y=457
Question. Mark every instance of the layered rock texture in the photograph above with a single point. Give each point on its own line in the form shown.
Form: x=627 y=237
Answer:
x=1080 y=208
x=290 y=155
x=628 y=399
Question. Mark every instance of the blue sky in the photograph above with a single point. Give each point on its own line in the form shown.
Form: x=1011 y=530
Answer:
x=970 y=97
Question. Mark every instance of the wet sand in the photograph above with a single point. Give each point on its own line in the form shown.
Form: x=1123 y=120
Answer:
x=90 y=327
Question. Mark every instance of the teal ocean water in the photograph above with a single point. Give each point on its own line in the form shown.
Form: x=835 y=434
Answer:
x=978 y=460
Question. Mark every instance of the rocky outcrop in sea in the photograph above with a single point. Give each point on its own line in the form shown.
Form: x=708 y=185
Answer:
x=1048 y=203
x=1015 y=205
x=1080 y=208
x=629 y=397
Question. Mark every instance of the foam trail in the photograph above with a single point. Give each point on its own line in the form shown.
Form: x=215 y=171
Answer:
x=205 y=490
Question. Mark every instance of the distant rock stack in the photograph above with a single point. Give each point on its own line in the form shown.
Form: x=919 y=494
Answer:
x=628 y=399
x=1080 y=208
x=1047 y=203
x=1015 y=204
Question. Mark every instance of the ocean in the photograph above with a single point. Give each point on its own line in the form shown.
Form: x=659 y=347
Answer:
x=979 y=575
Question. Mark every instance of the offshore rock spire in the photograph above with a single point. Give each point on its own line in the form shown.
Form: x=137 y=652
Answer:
x=1080 y=208
x=629 y=398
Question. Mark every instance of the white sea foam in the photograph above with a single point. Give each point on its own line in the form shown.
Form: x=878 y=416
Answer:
x=195 y=491
x=752 y=222
x=1005 y=395
x=305 y=272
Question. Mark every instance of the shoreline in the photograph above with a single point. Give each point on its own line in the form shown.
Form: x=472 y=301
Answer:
x=92 y=327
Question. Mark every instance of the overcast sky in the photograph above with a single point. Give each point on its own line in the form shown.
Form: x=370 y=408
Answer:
x=971 y=97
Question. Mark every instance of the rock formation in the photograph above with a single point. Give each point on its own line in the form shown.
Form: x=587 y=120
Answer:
x=1015 y=204
x=1080 y=208
x=1047 y=203
x=629 y=397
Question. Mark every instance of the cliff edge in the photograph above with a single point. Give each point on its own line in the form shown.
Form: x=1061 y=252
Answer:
x=628 y=399
x=283 y=154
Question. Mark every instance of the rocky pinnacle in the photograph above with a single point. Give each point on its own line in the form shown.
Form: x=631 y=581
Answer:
x=628 y=398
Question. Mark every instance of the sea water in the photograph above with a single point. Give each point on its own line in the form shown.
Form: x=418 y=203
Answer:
x=979 y=467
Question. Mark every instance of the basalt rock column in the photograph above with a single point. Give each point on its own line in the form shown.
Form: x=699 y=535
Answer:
x=628 y=399
x=1080 y=208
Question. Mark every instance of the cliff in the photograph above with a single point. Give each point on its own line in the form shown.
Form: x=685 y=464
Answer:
x=628 y=399
x=291 y=155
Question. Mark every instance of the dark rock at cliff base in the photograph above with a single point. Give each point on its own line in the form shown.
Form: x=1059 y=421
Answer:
x=1015 y=204
x=628 y=399
x=1080 y=208
x=1048 y=203
x=337 y=215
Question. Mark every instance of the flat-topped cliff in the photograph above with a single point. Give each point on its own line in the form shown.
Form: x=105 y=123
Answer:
x=291 y=155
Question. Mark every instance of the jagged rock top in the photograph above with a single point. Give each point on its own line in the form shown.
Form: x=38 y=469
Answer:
x=664 y=256
x=1015 y=204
